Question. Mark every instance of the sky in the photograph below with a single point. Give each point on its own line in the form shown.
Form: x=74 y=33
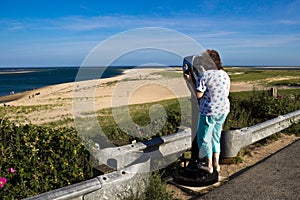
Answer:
x=45 y=33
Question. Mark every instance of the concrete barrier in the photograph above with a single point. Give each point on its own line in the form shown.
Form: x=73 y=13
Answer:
x=232 y=141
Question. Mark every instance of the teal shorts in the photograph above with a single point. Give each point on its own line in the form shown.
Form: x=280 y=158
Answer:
x=209 y=134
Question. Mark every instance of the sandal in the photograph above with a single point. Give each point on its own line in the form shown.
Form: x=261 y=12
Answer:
x=207 y=169
x=217 y=168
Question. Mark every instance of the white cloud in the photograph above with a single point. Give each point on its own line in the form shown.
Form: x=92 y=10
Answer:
x=289 y=22
x=257 y=41
x=80 y=23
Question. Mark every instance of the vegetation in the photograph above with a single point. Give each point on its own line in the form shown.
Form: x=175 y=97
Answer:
x=294 y=82
x=140 y=115
x=167 y=74
x=247 y=109
x=156 y=190
x=258 y=106
x=35 y=159
x=252 y=74
x=294 y=129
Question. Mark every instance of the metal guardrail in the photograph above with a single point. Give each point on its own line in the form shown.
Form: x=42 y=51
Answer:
x=158 y=149
x=232 y=141
x=70 y=192
x=115 y=185
x=133 y=176
x=133 y=163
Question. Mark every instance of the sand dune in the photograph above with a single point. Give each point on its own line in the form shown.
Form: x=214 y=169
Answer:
x=135 y=86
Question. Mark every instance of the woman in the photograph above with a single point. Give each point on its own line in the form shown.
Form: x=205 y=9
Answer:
x=212 y=90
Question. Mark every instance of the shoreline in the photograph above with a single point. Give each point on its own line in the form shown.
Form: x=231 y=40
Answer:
x=19 y=95
x=20 y=80
x=13 y=97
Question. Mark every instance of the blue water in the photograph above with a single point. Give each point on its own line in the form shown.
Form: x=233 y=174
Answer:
x=24 y=79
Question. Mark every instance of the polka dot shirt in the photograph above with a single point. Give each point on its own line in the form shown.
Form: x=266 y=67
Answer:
x=215 y=85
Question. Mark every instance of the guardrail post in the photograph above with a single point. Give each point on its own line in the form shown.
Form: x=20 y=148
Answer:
x=128 y=182
x=232 y=141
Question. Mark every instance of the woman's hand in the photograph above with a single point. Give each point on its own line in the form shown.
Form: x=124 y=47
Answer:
x=199 y=94
x=187 y=77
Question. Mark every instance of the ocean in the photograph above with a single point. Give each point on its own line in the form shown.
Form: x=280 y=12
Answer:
x=16 y=80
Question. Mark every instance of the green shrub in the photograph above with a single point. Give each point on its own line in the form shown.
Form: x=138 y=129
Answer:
x=140 y=116
x=42 y=159
x=156 y=190
x=294 y=129
x=258 y=107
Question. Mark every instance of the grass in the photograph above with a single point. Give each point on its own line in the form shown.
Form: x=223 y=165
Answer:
x=140 y=116
x=18 y=113
x=249 y=108
x=294 y=129
x=291 y=82
x=250 y=74
x=64 y=122
x=167 y=74
x=247 y=94
x=156 y=190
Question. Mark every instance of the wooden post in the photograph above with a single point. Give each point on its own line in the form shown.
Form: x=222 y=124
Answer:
x=273 y=92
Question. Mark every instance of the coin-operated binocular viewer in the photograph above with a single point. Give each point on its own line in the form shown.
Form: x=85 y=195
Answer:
x=187 y=172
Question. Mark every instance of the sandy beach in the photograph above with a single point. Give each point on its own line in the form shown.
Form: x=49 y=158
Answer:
x=16 y=72
x=135 y=86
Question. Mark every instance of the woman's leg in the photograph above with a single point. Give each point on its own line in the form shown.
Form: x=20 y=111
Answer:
x=216 y=137
x=216 y=161
x=204 y=136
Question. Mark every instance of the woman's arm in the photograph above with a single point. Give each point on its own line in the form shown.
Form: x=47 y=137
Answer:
x=192 y=86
